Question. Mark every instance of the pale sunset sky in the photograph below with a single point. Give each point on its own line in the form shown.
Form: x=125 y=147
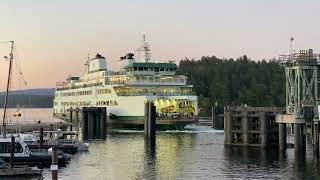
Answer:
x=53 y=38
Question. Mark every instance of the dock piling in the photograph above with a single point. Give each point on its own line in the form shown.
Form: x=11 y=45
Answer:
x=41 y=138
x=299 y=137
x=94 y=123
x=263 y=130
x=282 y=136
x=54 y=166
x=245 y=127
x=71 y=114
x=12 y=151
x=150 y=122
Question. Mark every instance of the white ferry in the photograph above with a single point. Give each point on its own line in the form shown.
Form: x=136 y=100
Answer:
x=124 y=93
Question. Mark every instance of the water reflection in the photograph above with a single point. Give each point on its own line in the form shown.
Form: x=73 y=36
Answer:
x=251 y=162
x=150 y=160
x=185 y=156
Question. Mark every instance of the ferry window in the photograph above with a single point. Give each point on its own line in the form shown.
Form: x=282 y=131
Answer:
x=156 y=69
x=161 y=69
x=145 y=68
x=135 y=68
x=18 y=148
x=6 y=147
x=140 y=69
x=115 y=103
x=107 y=103
x=2 y=148
x=171 y=69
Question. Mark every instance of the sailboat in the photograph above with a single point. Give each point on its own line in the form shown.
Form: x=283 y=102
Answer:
x=10 y=58
x=22 y=153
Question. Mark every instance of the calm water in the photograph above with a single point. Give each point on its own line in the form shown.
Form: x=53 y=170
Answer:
x=196 y=153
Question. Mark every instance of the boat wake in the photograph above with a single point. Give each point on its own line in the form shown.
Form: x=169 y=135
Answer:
x=188 y=129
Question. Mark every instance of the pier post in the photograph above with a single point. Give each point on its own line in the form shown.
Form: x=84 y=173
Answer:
x=213 y=117
x=77 y=118
x=41 y=138
x=103 y=123
x=244 y=122
x=299 y=137
x=94 y=123
x=316 y=137
x=228 y=138
x=84 y=125
x=282 y=136
x=90 y=125
x=71 y=114
x=12 y=151
x=146 y=115
x=150 y=122
x=54 y=166
x=51 y=129
x=264 y=129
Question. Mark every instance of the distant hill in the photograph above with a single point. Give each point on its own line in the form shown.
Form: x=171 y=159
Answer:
x=42 y=91
x=29 y=98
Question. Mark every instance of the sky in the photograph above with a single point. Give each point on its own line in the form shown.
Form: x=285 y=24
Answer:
x=53 y=38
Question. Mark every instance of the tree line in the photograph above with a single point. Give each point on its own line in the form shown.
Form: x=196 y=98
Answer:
x=235 y=81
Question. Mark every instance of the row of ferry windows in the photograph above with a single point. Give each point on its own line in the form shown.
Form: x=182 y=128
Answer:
x=107 y=103
x=77 y=93
x=87 y=103
x=83 y=93
x=153 y=69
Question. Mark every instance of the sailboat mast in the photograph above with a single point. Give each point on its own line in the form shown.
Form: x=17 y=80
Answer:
x=4 y=131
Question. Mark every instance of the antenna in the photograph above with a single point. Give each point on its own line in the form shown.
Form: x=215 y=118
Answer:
x=291 y=42
x=144 y=50
x=87 y=63
x=143 y=38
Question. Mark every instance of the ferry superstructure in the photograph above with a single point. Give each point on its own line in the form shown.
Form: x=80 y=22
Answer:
x=124 y=93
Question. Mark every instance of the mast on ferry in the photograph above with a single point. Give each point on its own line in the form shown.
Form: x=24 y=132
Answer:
x=4 y=131
x=143 y=51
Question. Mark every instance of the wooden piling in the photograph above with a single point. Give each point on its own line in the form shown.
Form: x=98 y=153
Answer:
x=12 y=151
x=213 y=117
x=84 y=125
x=71 y=114
x=77 y=118
x=245 y=134
x=94 y=123
x=282 y=136
x=41 y=138
x=54 y=166
x=150 y=122
x=263 y=130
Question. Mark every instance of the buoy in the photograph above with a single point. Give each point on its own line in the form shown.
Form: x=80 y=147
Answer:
x=16 y=114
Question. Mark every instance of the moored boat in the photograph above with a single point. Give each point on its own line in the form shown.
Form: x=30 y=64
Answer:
x=23 y=155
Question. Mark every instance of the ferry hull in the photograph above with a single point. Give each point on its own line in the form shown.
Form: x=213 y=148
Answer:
x=135 y=122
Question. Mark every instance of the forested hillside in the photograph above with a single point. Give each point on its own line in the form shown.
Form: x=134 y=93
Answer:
x=235 y=82
x=29 y=98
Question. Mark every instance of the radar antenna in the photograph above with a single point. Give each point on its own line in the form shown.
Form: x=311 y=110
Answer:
x=144 y=50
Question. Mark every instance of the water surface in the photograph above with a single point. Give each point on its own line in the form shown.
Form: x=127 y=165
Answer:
x=195 y=153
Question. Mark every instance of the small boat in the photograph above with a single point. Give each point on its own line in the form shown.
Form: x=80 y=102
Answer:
x=23 y=155
x=5 y=170
x=55 y=138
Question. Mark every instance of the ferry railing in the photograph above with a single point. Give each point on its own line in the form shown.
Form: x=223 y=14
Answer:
x=156 y=94
x=144 y=82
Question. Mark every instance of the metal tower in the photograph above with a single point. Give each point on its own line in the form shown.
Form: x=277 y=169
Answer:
x=301 y=71
x=302 y=92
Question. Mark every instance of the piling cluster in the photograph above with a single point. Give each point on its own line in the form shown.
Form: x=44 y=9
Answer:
x=251 y=126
